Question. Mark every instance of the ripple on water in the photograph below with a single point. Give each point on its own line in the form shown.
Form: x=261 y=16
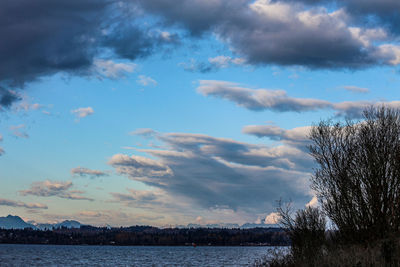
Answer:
x=49 y=255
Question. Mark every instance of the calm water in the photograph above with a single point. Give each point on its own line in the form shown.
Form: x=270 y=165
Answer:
x=41 y=255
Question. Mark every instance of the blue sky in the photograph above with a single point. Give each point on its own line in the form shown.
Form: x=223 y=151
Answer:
x=163 y=113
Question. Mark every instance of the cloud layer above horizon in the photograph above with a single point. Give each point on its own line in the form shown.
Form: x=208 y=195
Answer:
x=180 y=111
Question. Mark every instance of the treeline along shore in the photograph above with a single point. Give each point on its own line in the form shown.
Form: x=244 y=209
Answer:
x=147 y=236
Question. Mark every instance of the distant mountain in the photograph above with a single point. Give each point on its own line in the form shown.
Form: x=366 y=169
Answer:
x=215 y=225
x=14 y=222
x=258 y=225
x=231 y=225
x=69 y=224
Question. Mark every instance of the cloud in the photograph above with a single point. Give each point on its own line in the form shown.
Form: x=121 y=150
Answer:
x=82 y=112
x=7 y=97
x=225 y=61
x=356 y=89
x=145 y=132
x=45 y=37
x=382 y=12
x=218 y=173
x=284 y=33
x=1 y=149
x=80 y=171
x=272 y=218
x=112 y=70
x=103 y=218
x=279 y=101
x=296 y=137
x=138 y=197
x=259 y=99
x=26 y=106
x=12 y=203
x=146 y=81
x=137 y=166
x=53 y=188
x=213 y=64
x=19 y=131
x=313 y=202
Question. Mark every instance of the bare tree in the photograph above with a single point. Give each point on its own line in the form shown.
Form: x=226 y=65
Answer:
x=358 y=176
x=306 y=230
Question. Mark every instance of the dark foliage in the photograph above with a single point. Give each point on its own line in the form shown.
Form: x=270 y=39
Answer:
x=307 y=233
x=147 y=236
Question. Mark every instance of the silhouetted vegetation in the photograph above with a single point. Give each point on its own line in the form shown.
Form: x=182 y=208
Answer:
x=357 y=182
x=147 y=236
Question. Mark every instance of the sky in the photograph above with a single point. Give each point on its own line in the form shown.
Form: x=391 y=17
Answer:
x=170 y=112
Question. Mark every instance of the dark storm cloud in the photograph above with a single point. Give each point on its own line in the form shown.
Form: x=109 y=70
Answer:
x=198 y=16
x=7 y=97
x=283 y=33
x=385 y=11
x=44 y=37
x=220 y=173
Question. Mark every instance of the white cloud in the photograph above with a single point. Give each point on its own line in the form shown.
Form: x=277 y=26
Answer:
x=313 y=202
x=112 y=70
x=225 y=61
x=146 y=81
x=82 y=112
x=356 y=89
x=272 y=218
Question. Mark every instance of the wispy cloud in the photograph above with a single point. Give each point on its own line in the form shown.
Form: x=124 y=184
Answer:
x=19 y=131
x=213 y=64
x=12 y=203
x=279 y=101
x=80 y=171
x=53 y=188
x=145 y=132
x=356 y=89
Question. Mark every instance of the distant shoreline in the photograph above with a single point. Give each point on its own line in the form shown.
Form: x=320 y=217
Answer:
x=146 y=236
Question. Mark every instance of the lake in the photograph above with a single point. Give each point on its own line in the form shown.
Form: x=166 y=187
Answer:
x=51 y=255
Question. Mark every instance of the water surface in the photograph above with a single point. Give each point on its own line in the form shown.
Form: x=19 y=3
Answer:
x=51 y=255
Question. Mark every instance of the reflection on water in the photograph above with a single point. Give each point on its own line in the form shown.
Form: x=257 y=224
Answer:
x=42 y=255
